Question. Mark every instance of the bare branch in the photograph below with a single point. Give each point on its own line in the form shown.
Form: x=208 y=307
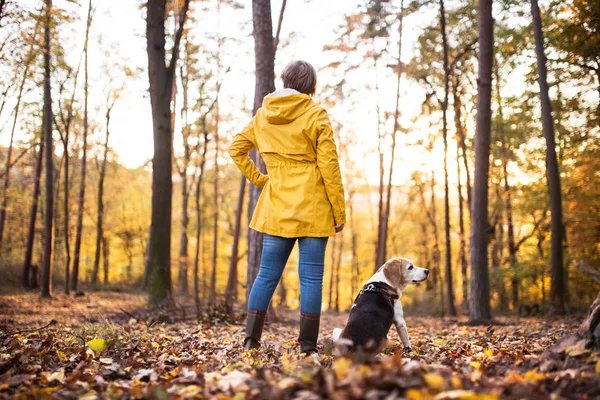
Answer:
x=178 y=35
x=276 y=39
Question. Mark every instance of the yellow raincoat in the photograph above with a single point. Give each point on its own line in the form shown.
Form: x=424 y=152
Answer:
x=303 y=193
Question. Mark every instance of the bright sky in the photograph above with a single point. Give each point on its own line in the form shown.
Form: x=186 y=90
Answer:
x=118 y=33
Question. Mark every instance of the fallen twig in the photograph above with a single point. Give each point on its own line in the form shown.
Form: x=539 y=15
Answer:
x=52 y=322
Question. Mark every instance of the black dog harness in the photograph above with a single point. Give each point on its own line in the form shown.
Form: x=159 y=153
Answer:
x=375 y=288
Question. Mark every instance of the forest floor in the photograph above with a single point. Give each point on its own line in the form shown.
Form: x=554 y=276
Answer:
x=107 y=345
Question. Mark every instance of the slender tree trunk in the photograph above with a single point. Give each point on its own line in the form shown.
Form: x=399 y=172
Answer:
x=450 y=289
x=183 y=245
x=4 y=205
x=199 y=224
x=66 y=209
x=183 y=173
x=355 y=265
x=161 y=78
x=382 y=242
x=33 y=216
x=213 y=276
x=105 y=257
x=462 y=249
x=436 y=246
x=557 y=283
x=100 y=219
x=332 y=273
x=461 y=146
x=232 y=280
x=337 y=267
x=46 y=275
x=479 y=310
x=81 y=201
x=512 y=249
x=265 y=84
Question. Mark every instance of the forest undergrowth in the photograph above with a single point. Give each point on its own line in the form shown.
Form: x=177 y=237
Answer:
x=107 y=345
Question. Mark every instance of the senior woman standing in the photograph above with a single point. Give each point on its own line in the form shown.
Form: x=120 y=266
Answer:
x=302 y=198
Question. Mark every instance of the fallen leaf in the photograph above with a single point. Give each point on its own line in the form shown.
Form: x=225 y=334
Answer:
x=434 y=381
x=341 y=367
x=475 y=364
x=97 y=345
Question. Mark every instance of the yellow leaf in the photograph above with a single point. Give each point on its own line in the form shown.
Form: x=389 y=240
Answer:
x=533 y=375
x=514 y=377
x=598 y=367
x=434 y=381
x=97 y=345
x=415 y=394
x=61 y=356
x=341 y=367
x=488 y=352
x=456 y=383
x=475 y=364
x=106 y=361
x=463 y=395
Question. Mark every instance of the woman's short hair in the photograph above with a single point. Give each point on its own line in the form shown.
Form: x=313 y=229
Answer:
x=301 y=76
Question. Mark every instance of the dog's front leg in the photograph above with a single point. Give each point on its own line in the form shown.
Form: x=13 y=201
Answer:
x=401 y=325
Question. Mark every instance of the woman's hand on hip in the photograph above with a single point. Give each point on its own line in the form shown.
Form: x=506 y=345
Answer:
x=339 y=228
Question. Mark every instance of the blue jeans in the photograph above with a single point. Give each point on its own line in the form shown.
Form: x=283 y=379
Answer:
x=276 y=251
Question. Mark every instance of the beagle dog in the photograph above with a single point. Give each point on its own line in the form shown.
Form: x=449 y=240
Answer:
x=376 y=307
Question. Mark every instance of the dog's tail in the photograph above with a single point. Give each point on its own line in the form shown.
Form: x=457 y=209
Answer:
x=335 y=336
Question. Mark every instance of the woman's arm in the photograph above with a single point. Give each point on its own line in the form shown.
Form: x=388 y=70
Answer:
x=327 y=161
x=239 y=149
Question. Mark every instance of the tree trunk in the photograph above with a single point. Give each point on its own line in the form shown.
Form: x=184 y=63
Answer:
x=105 y=257
x=183 y=173
x=382 y=242
x=4 y=205
x=25 y=278
x=232 y=280
x=557 y=284
x=449 y=286
x=337 y=267
x=213 y=275
x=183 y=245
x=462 y=249
x=46 y=273
x=265 y=83
x=355 y=265
x=100 y=219
x=199 y=222
x=80 y=204
x=65 y=139
x=332 y=274
x=479 y=309
x=460 y=131
x=161 y=78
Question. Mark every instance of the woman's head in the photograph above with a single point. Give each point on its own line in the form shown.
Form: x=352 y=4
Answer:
x=301 y=76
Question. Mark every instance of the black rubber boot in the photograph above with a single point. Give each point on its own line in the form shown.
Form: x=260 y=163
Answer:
x=309 y=332
x=254 y=327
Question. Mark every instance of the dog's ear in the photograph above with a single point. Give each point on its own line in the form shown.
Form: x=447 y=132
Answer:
x=392 y=270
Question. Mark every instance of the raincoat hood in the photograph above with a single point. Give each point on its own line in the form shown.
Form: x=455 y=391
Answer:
x=286 y=105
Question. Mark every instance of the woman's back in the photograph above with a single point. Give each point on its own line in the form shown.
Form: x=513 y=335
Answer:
x=303 y=195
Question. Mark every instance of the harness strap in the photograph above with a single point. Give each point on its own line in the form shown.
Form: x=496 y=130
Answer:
x=369 y=287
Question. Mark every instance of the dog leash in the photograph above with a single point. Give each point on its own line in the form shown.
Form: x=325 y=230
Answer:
x=369 y=287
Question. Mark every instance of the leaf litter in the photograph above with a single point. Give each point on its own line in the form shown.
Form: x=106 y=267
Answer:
x=121 y=355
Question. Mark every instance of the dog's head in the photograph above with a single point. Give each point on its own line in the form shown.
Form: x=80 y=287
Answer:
x=401 y=271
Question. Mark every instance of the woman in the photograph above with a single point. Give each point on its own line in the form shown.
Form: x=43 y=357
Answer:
x=302 y=197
